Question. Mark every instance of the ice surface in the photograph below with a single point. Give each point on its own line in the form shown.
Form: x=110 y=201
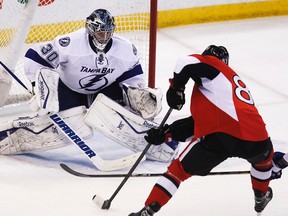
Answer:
x=35 y=185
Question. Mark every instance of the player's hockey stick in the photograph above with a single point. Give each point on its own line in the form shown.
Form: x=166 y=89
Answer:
x=105 y=204
x=115 y=175
x=108 y=175
x=15 y=77
x=103 y=165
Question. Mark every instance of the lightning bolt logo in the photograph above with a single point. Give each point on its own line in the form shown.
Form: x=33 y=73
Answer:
x=93 y=82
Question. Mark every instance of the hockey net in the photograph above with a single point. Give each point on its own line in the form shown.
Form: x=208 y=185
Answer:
x=42 y=20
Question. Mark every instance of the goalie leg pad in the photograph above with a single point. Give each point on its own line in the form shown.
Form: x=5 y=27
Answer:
x=125 y=128
x=28 y=134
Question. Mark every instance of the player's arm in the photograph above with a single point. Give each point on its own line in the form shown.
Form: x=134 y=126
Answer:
x=186 y=68
x=40 y=60
x=134 y=75
x=38 y=56
x=180 y=130
x=190 y=67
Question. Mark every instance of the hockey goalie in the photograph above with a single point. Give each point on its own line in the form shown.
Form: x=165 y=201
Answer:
x=119 y=123
x=94 y=80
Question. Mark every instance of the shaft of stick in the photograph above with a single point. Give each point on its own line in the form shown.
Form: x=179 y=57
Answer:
x=15 y=77
x=138 y=160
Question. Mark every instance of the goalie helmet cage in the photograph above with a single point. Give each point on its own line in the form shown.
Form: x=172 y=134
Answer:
x=36 y=21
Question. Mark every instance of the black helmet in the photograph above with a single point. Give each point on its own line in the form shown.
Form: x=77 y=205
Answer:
x=218 y=51
x=100 y=26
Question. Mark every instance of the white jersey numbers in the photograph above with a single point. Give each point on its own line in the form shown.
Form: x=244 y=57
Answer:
x=241 y=91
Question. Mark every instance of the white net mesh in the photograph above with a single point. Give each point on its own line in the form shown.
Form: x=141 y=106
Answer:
x=25 y=24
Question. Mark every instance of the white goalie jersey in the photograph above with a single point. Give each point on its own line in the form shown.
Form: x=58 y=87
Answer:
x=86 y=71
x=83 y=70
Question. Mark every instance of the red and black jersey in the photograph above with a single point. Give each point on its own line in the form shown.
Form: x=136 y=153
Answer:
x=220 y=101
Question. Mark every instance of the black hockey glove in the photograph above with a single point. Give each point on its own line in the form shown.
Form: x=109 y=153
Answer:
x=157 y=136
x=175 y=96
x=278 y=164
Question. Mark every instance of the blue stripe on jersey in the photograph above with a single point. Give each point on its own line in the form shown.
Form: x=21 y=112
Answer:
x=33 y=55
x=137 y=70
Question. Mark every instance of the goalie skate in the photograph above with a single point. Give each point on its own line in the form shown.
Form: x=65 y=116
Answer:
x=126 y=128
x=28 y=134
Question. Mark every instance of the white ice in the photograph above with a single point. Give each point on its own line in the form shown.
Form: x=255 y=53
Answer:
x=35 y=185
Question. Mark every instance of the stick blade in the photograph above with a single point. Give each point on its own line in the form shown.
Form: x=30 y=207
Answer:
x=100 y=202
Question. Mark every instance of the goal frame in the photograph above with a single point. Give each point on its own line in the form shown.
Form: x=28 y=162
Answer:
x=152 y=43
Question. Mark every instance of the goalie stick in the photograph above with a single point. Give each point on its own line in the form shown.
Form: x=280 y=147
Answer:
x=105 y=204
x=90 y=175
x=101 y=164
x=15 y=77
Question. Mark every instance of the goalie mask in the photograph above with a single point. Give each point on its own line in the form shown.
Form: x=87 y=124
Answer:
x=219 y=52
x=100 y=26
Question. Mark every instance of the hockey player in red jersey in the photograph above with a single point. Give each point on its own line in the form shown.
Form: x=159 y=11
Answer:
x=224 y=122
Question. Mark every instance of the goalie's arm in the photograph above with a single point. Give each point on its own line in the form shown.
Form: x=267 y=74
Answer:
x=41 y=55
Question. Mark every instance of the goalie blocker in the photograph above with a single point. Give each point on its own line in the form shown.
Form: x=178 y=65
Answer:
x=45 y=99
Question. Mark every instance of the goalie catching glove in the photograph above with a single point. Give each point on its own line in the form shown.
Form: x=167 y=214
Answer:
x=145 y=101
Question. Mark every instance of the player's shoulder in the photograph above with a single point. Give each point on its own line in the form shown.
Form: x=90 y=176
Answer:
x=122 y=43
x=120 y=39
x=188 y=59
x=71 y=38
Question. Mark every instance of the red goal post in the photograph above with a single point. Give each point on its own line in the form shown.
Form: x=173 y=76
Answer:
x=42 y=20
